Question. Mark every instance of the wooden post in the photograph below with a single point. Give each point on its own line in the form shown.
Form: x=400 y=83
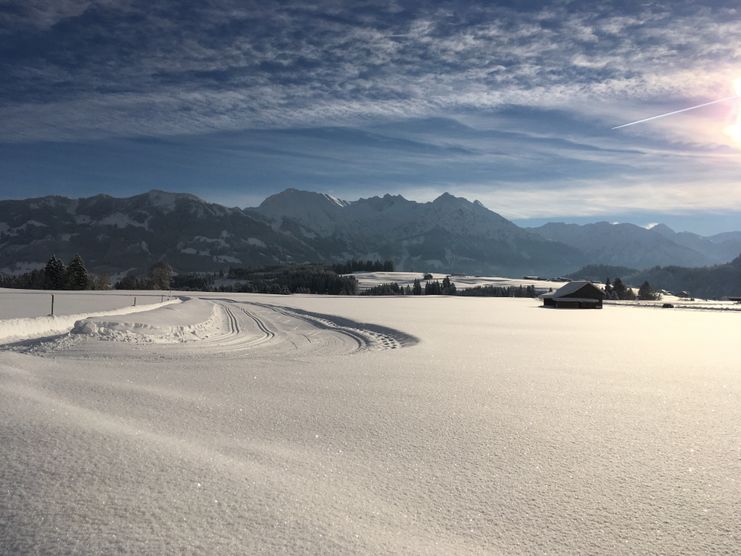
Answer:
x=52 y=305
x=134 y=301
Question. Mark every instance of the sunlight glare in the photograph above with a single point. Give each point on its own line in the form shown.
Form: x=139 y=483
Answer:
x=733 y=131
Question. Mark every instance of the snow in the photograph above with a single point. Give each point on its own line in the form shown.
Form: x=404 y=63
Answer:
x=163 y=200
x=335 y=200
x=256 y=242
x=34 y=303
x=167 y=323
x=227 y=259
x=6 y=229
x=21 y=268
x=120 y=220
x=367 y=280
x=218 y=240
x=377 y=425
x=15 y=330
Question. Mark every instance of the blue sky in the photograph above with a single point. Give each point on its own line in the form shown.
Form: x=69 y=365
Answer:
x=508 y=103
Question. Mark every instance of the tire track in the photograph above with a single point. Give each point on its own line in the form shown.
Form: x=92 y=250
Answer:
x=252 y=330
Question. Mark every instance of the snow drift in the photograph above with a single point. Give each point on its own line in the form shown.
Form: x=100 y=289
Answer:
x=192 y=319
x=17 y=330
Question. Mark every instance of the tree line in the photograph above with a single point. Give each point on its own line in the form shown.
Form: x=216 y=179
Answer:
x=431 y=287
x=57 y=276
x=348 y=267
x=308 y=278
x=616 y=289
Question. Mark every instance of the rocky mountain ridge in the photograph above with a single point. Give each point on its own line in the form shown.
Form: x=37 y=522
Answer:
x=448 y=234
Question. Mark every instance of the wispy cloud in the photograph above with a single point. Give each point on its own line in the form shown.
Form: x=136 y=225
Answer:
x=231 y=65
x=513 y=101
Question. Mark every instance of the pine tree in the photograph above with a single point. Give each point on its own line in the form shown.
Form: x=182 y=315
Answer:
x=619 y=288
x=76 y=276
x=646 y=292
x=608 y=287
x=416 y=287
x=54 y=274
x=160 y=275
x=448 y=287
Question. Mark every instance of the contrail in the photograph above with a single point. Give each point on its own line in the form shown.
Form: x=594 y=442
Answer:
x=678 y=111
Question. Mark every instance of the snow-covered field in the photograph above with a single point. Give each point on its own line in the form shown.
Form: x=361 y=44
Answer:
x=35 y=303
x=367 y=280
x=263 y=424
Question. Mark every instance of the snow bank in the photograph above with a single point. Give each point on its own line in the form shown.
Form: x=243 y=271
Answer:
x=191 y=320
x=15 y=330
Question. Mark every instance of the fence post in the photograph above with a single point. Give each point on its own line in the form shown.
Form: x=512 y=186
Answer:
x=52 y=305
x=134 y=301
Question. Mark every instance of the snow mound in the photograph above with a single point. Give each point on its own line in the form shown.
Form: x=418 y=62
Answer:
x=193 y=319
x=21 y=329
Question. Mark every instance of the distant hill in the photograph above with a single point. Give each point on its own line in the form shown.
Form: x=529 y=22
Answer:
x=637 y=247
x=601 y=272
x=448 y=234
x=116 y=235
x=709 y=282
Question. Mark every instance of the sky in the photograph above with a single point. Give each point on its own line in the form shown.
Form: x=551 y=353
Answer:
x=510 y=103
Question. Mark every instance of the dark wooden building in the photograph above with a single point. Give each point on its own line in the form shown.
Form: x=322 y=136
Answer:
x=575 y=295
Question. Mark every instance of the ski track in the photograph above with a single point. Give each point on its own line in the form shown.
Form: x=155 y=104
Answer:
x=245 y=328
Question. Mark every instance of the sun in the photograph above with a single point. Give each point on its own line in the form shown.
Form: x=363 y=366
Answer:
x=734 y=132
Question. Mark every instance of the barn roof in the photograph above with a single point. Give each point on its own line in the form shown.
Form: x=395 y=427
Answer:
x=567 y=289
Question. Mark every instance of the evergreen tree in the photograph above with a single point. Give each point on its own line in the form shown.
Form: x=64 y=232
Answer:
x=416 y=287
x=646 y=292
x=76 y=276
x=608 y=287
x=448 y=286
x=619 y=289
x=54 y=274
x=160 y=275
x=433 y=288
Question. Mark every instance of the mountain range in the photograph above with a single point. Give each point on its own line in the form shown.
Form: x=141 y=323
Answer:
x=449 y=234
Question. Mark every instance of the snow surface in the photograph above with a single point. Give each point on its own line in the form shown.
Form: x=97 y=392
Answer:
x=34 y=303
x=121 y=220
x=367 y=280
x=15 y=330
x=375 y=425
x=166 y=323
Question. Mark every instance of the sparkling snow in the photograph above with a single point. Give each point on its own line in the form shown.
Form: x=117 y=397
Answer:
x=374 y=425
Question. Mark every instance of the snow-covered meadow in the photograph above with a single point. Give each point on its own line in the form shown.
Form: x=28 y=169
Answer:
x=35 y=303
x=367 y=280
x=259 y=424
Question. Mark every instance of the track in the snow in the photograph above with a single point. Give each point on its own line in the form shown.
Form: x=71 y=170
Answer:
x=248 y=329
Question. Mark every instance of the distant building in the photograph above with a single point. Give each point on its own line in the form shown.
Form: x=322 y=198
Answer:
x=575 y=295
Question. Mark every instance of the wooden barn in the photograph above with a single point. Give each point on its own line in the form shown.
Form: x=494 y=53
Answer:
x=575 y=295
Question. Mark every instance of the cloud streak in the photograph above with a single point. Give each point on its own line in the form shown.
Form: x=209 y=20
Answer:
x=232 y=65
x=512 y=101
